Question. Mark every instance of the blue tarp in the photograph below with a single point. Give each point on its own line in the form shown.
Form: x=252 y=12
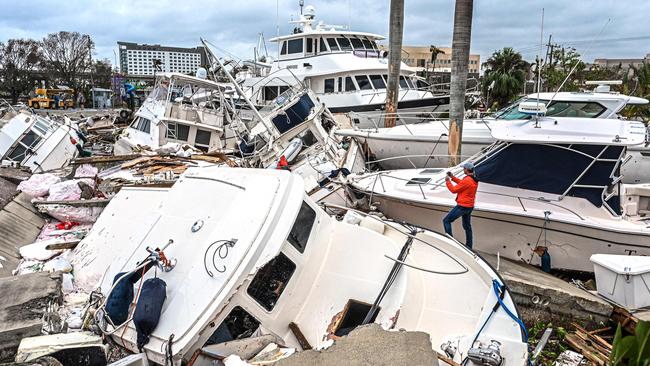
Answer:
x=294 y=115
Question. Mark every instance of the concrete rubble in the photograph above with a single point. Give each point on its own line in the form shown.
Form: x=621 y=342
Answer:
x=543 y=297
x=24 y=302
x=370 y=345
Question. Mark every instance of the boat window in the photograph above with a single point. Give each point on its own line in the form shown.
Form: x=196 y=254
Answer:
x=310 y=45
x=271 y=280
x=21 y=149
x=329 y=86
x=299 y=235
x=411 y=83
x=41 y=126
x=144 y=125
x=356 y=43
x=353 y=315
x=385 y=78
x=344 y=43
x=349 y=84
x=294 y=46
x=377 y=82
x=363 y=82
x=417 y=181
x=202 y=137
x=339 y=86
x=575 y=109
x=367 y=43
x=270 y=92
x=323 y=46
x=239 y=324
x=284 y=48
x=177 y=131
x=421 y=84
x=332 y=43
x=307 y=137
x=431 y=171
x=402 y=82
x=283 y=88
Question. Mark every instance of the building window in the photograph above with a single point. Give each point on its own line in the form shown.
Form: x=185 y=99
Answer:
x=329 y=86
x=271 y=280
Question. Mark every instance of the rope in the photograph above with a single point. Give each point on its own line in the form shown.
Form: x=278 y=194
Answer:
x=498 y=288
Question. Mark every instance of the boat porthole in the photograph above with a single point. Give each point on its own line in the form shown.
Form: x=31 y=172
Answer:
x=197 y=226
x=535 y=299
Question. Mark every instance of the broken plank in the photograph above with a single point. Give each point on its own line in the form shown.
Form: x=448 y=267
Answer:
x=581 y=346
x=75 y=203
x=304 y=343
x=593 y=337
x=64 y=245
x=447 y=360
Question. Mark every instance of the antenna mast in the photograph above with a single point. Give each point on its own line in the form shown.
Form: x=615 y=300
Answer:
x=539 y=68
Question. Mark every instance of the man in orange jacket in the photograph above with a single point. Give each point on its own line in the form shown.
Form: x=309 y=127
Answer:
x=466 y=194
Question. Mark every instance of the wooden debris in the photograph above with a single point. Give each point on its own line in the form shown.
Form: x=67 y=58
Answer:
x=447 y=360
x=75 y=203
x=626 y=319
x=589 y=344
x=304 y=343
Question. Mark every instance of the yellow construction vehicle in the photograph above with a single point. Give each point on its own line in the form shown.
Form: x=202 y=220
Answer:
x=48 y=98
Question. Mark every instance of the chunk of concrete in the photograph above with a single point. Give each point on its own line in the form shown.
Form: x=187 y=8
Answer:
x=542 y=297
x=245 y=348
x=79 y=348
x=370 y=345
x=24 y=301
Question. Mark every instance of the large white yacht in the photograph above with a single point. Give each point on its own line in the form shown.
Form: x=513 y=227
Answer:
x=257 y=257
x=424 y=145
x=553 y=185
x=346 y=69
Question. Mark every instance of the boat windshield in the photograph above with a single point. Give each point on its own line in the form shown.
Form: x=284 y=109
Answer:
x=557 y=108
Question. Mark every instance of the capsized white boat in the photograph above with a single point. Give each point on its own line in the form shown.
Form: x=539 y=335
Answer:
x=247 y=253
x=553 y=185
x=37 y=142
x=424 y=145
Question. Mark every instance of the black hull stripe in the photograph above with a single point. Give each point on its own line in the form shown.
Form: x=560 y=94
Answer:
x=407 y=104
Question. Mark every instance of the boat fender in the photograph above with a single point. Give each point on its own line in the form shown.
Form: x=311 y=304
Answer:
x=546 y=261
x=118 y=302
x=148 y=309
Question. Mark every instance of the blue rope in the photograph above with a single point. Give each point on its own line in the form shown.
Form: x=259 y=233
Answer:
x=497 y=291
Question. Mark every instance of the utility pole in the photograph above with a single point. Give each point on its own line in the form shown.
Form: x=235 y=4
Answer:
x=394 y=60
x=459 y=69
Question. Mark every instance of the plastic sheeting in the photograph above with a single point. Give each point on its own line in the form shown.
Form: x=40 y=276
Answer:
x=38 y=185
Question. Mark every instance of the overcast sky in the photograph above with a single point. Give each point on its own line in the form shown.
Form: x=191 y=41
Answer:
x=234 y=25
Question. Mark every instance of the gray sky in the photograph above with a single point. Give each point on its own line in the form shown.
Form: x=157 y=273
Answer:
x=234 y=25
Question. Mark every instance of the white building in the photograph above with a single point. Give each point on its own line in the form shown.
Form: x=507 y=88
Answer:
x=138 y=59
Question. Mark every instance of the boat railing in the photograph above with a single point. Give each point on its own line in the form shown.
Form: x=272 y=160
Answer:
x=380 y=176
x=401 y=118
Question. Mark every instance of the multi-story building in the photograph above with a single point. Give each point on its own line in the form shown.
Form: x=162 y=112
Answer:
x=137 y=60
x=624 y=63
x=420 y=57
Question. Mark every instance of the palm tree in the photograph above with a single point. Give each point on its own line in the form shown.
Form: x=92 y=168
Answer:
x=459 y=69
x=395 y=59
x=505 y=76
x=637 y=83
x=435 y=51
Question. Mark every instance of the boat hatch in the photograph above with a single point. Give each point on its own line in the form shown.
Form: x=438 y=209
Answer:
x=271 y=280
x=352 y=316
x=417 y=181
x=238 y=324
x=431 y=171
x=294 y=115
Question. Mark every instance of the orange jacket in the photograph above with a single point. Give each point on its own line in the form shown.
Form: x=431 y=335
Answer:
x=466 y=190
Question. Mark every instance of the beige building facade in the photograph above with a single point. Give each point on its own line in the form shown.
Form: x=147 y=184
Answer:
x=420 y=57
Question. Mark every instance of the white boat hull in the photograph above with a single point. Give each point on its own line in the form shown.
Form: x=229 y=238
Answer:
x=516 y=236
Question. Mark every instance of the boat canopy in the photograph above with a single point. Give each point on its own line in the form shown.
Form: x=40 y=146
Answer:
x=577 y=170
x=591 y=131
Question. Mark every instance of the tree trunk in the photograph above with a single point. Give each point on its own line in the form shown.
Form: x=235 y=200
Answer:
x=459 y=69
x=394 y=60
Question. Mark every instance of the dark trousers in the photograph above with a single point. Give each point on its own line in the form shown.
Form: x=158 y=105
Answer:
x=466 y=214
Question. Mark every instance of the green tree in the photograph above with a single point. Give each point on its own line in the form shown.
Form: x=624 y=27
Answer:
x=102 y=73
x=19 y=58
x=636 y=82
x=505 y=76
x=555 y=71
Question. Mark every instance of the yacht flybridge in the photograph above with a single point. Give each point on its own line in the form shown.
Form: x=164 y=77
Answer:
x=425 y=144
x=256 y=255
x=553 y=184
x=346 y=69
